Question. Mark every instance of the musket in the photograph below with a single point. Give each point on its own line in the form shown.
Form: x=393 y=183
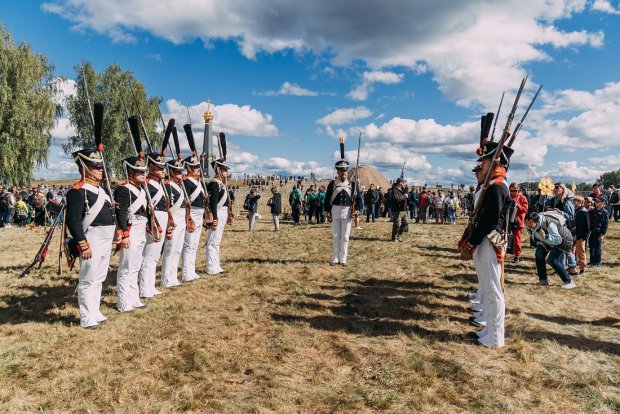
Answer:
x=498 y=151
x=402 y=170
x=190 y=225
x=518 y=127
x=357 y=165
x=133 y=130
x=208 y=215
x=42 y=252
x=497 y=117
x=146 y=134
x=163 y=124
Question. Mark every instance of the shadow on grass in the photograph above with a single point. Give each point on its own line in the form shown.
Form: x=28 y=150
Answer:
x=261 y=260
x=575 y=342
x=562 y=320
x=40 y=304
x=376 y=307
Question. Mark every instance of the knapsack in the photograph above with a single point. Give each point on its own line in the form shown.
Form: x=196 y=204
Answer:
x=246 y=203
x=567 y=236
x=615 y=197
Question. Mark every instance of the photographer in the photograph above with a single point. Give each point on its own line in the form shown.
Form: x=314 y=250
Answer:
x=400 y=198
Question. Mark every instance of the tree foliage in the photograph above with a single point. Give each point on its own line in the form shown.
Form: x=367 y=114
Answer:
x=121 y=94
x=610 y=178
x=27 y=109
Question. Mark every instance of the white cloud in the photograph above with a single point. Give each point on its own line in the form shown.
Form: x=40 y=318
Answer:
x=63 y=129
x=567 y=170
x=344 y=116
x=361 y=91
x=292 y=89
x=230 y=118
x=473 y=49
x=609 y=162
x=385 y=156
x=605 y=7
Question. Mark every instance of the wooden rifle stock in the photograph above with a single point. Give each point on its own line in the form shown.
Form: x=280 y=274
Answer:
x=42 y=252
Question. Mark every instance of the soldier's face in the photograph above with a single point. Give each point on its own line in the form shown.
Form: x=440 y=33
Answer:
x=482 y=171
x=157 y=172
x=95 y=172
x=139 y=176
x=342 y=173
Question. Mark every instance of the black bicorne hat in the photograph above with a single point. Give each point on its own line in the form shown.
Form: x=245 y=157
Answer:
x=157 y=159
x=175 y=164
x=134 y=163
x=219 y=163
x=89 y=156
x=191 y=161
x=489 y=150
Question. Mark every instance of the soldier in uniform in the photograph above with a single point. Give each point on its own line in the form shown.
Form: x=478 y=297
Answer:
x=183 y=223
x=197 y=199
x=219 y=206
x=91 y=225
x=158 y=191
x=340 y=209
x=484 y=245
x=131 y=217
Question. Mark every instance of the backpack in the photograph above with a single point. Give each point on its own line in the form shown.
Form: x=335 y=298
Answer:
x=615 y=197
x=246 y=203
x=567 y=237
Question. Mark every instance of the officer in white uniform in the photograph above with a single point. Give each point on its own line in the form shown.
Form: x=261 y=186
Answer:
x=219 y=206
x=181 y=214
x=197 y=199
x=160 y=200
x=91 y=225
x=340 y=210
x=131 y=217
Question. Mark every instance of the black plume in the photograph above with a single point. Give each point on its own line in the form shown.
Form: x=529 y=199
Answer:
x=98 y=113
x=341 y=140
x=487 y=125
x=190 y=138
x=134 y=127
x=177 y=146
x=223 y=144
x=167 y=136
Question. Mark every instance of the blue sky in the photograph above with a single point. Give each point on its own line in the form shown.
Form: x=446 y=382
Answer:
x=287 y=77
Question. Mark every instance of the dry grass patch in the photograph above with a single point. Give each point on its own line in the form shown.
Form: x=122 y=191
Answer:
x=286 y=332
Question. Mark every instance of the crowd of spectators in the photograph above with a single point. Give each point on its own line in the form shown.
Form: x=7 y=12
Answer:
x=22 y=206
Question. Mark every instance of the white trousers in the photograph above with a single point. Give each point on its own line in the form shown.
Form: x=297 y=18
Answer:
x=129 y=267
x=341 y=229
x=276 y=221
x=172 y=251
x=151 y=255
x=93 y=273
x=251 y=218
x=214 y=239
x=489 y=272
x=190 y=247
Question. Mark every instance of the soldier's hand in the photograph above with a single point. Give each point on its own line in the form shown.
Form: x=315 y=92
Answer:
x=125 y=243
x=214 y=224
x=86 y=254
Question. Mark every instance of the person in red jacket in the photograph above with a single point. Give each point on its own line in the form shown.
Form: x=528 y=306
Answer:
x=517 y=231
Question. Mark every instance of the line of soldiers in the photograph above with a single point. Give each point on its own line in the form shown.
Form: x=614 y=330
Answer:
x=177 y=204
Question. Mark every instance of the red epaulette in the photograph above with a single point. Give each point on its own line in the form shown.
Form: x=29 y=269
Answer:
x=499 y=180
x=78 y=185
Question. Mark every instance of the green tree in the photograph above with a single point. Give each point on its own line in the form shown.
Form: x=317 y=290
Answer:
x=27 y=109
x=610 y=178
x=113 y=88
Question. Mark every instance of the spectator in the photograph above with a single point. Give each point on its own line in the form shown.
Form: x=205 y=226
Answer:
x=294 y=200
x=562 y=202
x=450 y=205
x=275 y=203
x=399 y=209
x=521 y=208
x=320 y=207
x=614 y=202
x=371 y=200
x=311 y=200
x=380 y=202
x=438 y=203
x=10 y=206
x=413 y=203
x=21 y=211
x=599 y=221
x=251 y=205
x=359 y=206
x=3 y=206
x=423 y=207
x=582 y=232
x=553 y=240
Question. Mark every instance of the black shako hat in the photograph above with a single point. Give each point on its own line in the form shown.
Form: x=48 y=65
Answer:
x=89 y=156
x=489 y=150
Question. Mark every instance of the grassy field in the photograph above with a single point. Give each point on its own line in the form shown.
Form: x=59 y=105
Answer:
x=284 y=332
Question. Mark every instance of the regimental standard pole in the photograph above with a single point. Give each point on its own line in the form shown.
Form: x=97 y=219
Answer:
x=207 y=144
